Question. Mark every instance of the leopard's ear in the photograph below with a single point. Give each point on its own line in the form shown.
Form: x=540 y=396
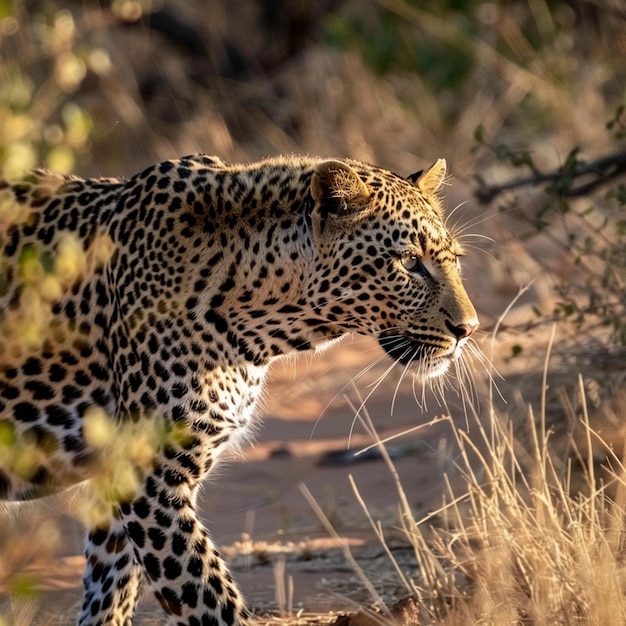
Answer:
x=338 y=189
x=430 y=181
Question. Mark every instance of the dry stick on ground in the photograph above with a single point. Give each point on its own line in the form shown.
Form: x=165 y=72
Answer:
x=604 y=170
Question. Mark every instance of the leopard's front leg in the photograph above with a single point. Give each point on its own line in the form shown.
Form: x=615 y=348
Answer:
x=181 y=564
x=112 y=578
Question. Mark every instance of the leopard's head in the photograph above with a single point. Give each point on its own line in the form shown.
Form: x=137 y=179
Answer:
x=387 y=265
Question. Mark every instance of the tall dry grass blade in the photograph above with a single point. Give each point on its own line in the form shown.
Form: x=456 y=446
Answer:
x=439 y=586
x=345 y=548
x=590 y=456
x=544 y=380
x=492 y=346
x=403 y=433
x=378 y=531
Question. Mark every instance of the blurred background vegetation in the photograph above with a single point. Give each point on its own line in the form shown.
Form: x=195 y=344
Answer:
x=115 y=84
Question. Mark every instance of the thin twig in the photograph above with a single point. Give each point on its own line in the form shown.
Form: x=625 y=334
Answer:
x=605 y=169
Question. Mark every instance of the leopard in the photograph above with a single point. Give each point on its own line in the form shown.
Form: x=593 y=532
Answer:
x=164 y=298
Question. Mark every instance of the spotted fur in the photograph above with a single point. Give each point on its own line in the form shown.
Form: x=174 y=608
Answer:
x=164 y=299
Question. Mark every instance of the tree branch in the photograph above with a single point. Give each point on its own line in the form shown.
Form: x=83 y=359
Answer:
x=602 y=170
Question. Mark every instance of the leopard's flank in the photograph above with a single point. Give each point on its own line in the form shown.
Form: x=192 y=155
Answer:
x=159 y=302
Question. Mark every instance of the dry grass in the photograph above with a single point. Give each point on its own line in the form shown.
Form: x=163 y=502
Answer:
x=528 y=550
x=525 y=539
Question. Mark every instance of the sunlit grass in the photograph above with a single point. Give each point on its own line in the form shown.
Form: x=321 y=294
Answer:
x=515 y=543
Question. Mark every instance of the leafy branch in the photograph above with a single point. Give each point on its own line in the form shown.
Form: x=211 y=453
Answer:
x=564 y=182
x=590 y=234
x=561 y=181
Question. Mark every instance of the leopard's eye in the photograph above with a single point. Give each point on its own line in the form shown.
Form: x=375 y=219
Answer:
x=412 y=263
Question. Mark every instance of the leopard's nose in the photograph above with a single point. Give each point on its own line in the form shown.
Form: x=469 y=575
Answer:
x=460 y=331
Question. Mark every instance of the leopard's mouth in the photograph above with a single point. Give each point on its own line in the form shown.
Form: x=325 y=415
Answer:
x=429 y=356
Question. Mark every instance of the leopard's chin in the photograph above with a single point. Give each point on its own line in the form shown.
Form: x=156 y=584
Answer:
x=435 y=368
x=428 y=360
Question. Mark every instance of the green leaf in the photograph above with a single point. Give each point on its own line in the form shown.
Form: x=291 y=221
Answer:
x=6 y=8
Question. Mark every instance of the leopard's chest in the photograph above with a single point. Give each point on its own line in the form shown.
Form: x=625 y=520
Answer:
x=218 y=407
x=221 y=399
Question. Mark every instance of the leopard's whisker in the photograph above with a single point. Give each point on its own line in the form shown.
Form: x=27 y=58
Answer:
x=452 y=226
x=342 y=391
x=457 y=229
x=404 y=372
x=372 y=390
